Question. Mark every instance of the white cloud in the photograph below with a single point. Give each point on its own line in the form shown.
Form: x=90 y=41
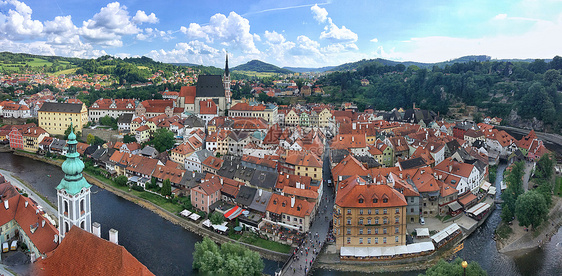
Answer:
x=17 y=23
x=150 y=33
x=320 y=14
x=192 y=52
x=231 y=31
x=335 y=34
x=141 y=17
x=274 y=37
x=375 y=40
x=501 y=16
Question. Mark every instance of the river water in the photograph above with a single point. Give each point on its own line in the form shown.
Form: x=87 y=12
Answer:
x=165 y=248
x=480 y=247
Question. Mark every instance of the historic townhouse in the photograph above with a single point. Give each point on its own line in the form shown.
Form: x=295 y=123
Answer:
x=368 y=214
x=268 y=112
x=110 y=107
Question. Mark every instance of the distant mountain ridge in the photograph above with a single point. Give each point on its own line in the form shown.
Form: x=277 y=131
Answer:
x=304 y=69
x=260 y=66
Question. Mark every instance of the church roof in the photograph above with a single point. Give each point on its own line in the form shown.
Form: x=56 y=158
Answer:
x=82 y=253
x=210 y=86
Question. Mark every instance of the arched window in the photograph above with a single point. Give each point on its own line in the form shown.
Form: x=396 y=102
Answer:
x=66 y=207
x=83 y=225
x=66 y=227
x=82 y=209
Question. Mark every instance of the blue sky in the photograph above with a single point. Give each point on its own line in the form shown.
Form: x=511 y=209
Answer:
x=284 y=33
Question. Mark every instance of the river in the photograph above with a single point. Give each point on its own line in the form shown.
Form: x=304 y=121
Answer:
x=480 y=247
x=165 y=248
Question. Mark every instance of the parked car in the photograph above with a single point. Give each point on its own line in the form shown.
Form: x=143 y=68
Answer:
x=5 y=247
x=422 y=221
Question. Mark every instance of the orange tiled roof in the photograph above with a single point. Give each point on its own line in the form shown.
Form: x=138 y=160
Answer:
x=304 y=159
x=82 y=253
x=355 y=190
x=279 y=204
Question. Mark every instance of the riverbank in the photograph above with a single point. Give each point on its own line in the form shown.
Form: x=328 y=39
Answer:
x=521 y=241
x=169 y=216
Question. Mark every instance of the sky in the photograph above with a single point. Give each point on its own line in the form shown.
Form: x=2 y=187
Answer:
x=285 y=33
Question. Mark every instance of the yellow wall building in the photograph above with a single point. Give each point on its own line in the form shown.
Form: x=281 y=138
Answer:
x=369 y=215
x=56 y=117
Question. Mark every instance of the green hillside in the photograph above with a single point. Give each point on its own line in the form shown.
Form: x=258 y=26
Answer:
x=260 y=66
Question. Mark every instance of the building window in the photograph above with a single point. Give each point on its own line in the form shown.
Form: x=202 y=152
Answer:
x=396 y=239
x=375 y=200
x=384 y=211
x=349 y=231
x=396 y=229
x=376 y=240
x=369 y=221
x=385 y=200
x=376 y=220
x=376 y=211
x=376 y=231
x=368 y=240
x=348 y=240
x=397 y=211
x=360 y=210
x=368 y=231
x=349 y=211
x=360 y=231
x=360 y=221
x=348 y=221
x=369 y=211
x=384 y=230
x=360 y=240
x=384 y=221
x=384 y=240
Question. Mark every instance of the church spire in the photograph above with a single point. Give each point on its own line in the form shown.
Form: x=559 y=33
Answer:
x=73 y=181
x=226 y=72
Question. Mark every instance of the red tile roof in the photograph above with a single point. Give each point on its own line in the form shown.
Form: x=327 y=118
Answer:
x=304 y=159
x=82 y=253
x=354 y=190
x=279 y=204
x=188 y=92
x=208 y=107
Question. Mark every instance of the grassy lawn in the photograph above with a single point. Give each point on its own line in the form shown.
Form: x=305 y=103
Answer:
x=67 y=71
x=234 y=236
x=271 y=245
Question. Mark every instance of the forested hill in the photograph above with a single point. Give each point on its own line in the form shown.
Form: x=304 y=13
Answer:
x=260 y=66
x=529 y=88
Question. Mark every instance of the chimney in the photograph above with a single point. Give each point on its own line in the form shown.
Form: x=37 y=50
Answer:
x=260 y=192
x=398 y=142
x=26 y=203
x=292 y=201
x=42 y=223
x=341 y=138
x=32 y=257
x=96 y=229
x=113 y=236
x=340 y=178
x=193 y=174
x=6 y=204
x=352 y=138
x=354 y=126
x=432 y=148
x=450 y=168
x=287 y=176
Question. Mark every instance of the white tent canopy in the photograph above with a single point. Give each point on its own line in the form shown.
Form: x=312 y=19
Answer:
x=194 y=216
x=185 y=213
x=347 y=251
x=422 y=232
x=207 y=223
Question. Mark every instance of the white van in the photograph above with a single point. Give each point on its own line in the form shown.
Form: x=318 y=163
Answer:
x=5 y=247
x=14 y=245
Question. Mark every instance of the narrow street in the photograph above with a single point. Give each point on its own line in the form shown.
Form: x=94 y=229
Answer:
x=305 y=255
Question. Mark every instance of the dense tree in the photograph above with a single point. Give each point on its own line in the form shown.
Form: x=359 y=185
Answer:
x=454 y=268
x=545 y=167
x=163 y=140
x=77 y=133
x=121 y=180
x=128 y=138
x=229 y=259
x=166 y=188
x=217 y=218
x=531 y=209
x=514 y=181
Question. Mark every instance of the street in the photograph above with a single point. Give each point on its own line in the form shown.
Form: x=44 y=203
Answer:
x=15 y=182
x=305 y=255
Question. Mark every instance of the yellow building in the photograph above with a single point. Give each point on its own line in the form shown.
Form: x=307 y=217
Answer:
x=325 y=118
x=32 y=137
x=55 y=118
x=304 y=164
x=292 y=118
x=369 y=215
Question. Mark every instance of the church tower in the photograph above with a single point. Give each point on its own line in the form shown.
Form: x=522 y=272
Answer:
x=226 y=82
x=73 y=192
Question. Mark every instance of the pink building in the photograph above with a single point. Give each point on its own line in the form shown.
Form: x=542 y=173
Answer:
x=206 y=193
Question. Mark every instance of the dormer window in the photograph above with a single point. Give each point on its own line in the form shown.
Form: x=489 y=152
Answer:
x=283 y=204
x=385 y=200
x=360 y=200
x=375 y=200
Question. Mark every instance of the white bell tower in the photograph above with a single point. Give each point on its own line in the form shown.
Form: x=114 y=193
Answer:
x=73 y=192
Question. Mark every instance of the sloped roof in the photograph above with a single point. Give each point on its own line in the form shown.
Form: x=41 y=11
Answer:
x=210 y=86
x=279 y=204
x=82 y=253
x=61 y=107
x=354 y=188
